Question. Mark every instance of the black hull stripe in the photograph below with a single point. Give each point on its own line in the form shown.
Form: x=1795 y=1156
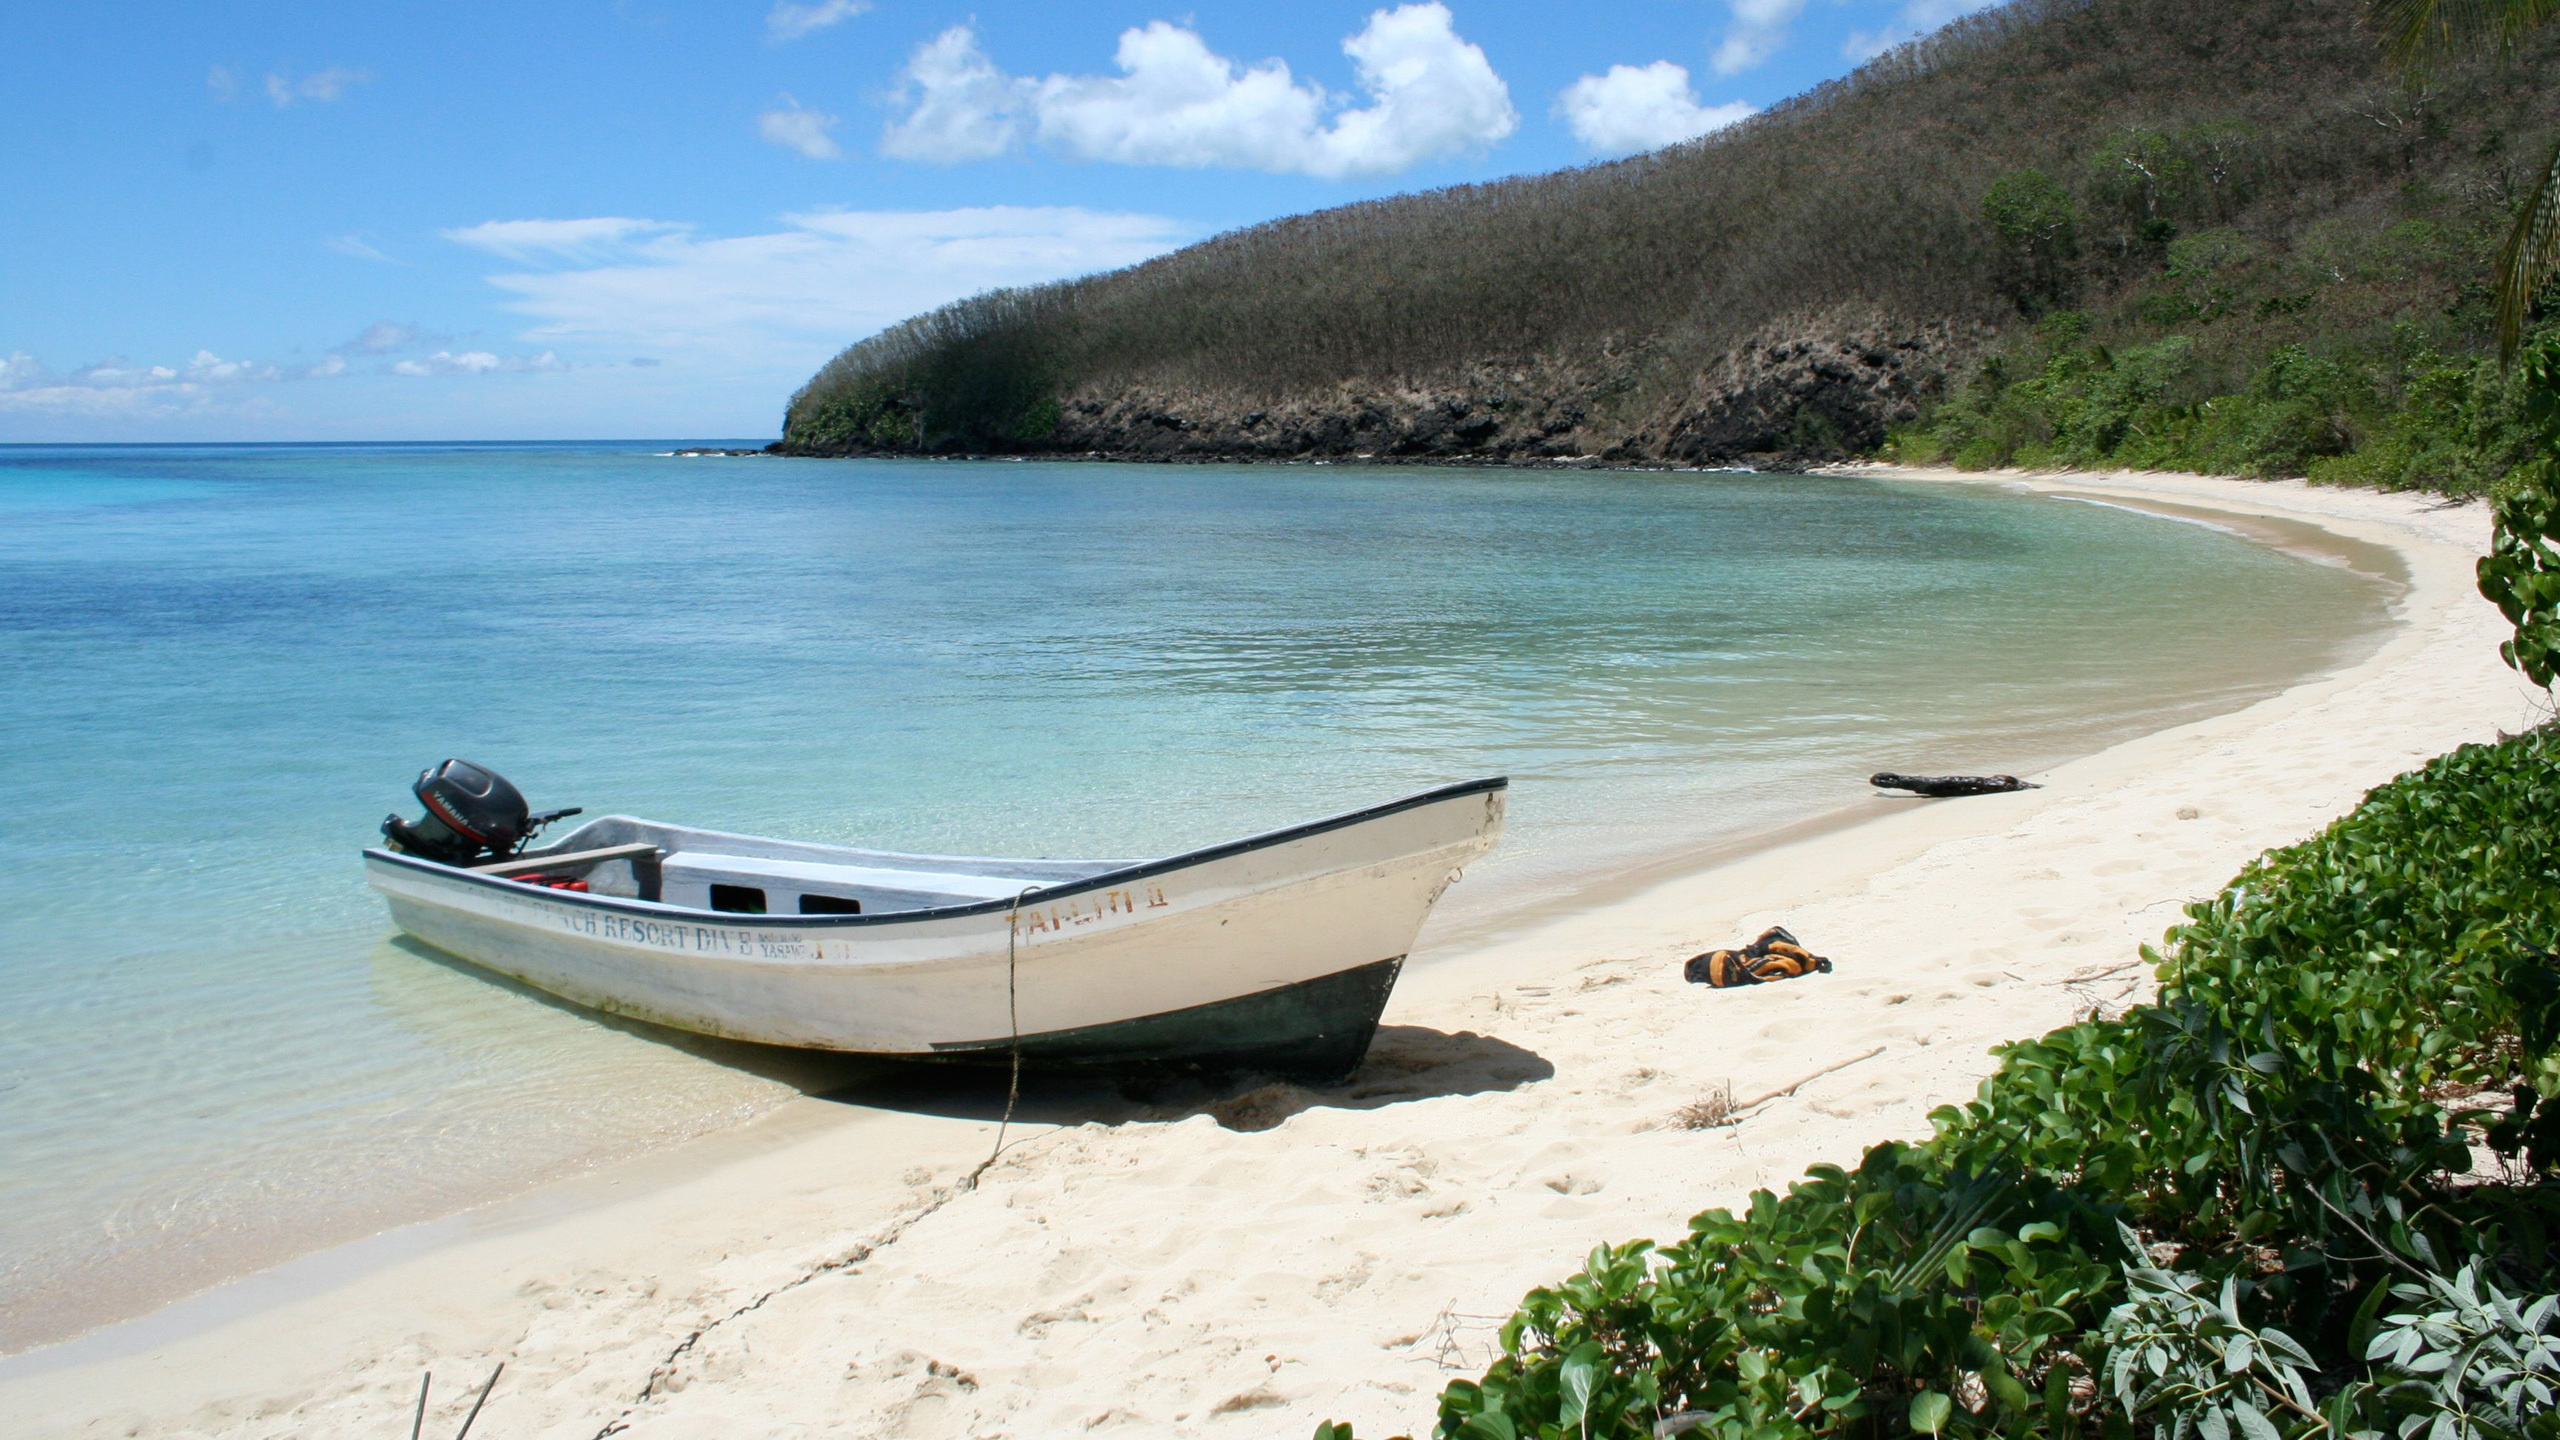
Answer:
x=1109 y=879
x=1317 y=1029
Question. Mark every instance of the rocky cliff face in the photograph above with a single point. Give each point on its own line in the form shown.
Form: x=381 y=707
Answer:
x=1809 y=392
x=1816 y=389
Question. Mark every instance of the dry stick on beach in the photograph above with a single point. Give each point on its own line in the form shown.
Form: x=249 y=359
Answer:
x=2082 y=985
x=1719 y=1108
x=476 y=1404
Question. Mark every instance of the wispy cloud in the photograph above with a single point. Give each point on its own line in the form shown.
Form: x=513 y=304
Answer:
x=1759 y=27
x=564 y=239
x=386 y=337
x=221 y=85
x=753 y=313
x=792 y=296
x=357 y=247
x=1917 y=18
x=793 y=128
x=320 y=86
x=787 y=21
x=1634 y=108
x=1176 y=102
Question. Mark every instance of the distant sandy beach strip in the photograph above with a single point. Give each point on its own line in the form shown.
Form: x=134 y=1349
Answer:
x=1248 y=1265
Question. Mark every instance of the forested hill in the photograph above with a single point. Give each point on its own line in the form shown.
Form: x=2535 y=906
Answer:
x=2053 y=230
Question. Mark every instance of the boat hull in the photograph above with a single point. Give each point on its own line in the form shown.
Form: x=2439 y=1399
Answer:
x=1316 y=1029
x=1275 y=953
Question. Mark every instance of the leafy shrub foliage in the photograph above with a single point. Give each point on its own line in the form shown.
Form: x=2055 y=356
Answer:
x=2423 y=419
x=2478 y=1364
x=2521 y=572
x=2170 y=1348
x=2186 y=1220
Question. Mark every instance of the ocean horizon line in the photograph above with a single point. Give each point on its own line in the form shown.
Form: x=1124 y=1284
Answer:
x=368 y=444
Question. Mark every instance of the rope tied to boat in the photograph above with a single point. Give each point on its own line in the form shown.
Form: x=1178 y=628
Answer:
x=1013 y=1028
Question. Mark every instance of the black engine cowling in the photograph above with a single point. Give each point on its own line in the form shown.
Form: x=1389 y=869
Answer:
x=473 y=814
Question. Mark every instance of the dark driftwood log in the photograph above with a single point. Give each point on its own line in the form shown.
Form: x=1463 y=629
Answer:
x=1947 y=785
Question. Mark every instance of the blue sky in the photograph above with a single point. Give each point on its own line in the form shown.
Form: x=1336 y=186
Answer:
x=645 y=218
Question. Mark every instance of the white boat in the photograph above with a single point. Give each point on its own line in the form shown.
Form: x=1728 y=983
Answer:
x=1271 y=953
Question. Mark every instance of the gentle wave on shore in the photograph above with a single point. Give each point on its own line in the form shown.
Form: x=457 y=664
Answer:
x=228 y=662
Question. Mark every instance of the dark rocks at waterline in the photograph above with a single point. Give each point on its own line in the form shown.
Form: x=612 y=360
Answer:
x=1815 y=390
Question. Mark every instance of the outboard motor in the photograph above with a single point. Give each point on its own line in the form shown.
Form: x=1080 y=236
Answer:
x=473 y=815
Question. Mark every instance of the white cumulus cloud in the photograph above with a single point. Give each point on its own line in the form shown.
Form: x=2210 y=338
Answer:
x=208 y=384
x=959 y=105
x=473 y=362
x=1635 y=108
x=1759 y=27
x=1177 y=102
x=115 y=387
x=787 y=21
x=793 y=128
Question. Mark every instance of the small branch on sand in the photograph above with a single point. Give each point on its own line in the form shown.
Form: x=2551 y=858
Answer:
x=2083 y=985
x=465 y=1431
x=1750 y=1105
x=1720 y=1108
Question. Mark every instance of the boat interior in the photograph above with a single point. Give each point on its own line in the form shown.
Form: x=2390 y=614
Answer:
x=712 y=870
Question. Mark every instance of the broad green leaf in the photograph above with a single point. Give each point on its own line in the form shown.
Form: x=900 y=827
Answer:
x=2253 y=1426
x=1576 y=1377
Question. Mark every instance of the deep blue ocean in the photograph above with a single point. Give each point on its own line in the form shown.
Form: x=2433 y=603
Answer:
x=220 y=667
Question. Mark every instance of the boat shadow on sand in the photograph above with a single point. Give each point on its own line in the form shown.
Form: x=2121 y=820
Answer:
x=1404 y=1063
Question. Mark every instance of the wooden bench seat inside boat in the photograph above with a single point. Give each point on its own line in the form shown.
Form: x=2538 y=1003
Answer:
x=571 y=860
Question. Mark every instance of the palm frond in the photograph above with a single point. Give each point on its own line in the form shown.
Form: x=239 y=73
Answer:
x=2419 y=33
x=2529 y=258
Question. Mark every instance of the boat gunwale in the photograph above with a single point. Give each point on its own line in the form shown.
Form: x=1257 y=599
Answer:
x=1108 y=879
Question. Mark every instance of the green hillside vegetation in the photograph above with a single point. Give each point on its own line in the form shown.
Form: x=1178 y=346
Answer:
x=2153 y=232
x=2199 y=369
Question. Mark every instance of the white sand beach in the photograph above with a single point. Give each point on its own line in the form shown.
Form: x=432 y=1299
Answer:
x=1248 y=1264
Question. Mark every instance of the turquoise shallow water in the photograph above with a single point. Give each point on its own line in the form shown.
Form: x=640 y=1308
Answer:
x=223 y=665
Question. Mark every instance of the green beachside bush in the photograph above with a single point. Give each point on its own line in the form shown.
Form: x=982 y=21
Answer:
x=2189 y=1220
x=2521 y=572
